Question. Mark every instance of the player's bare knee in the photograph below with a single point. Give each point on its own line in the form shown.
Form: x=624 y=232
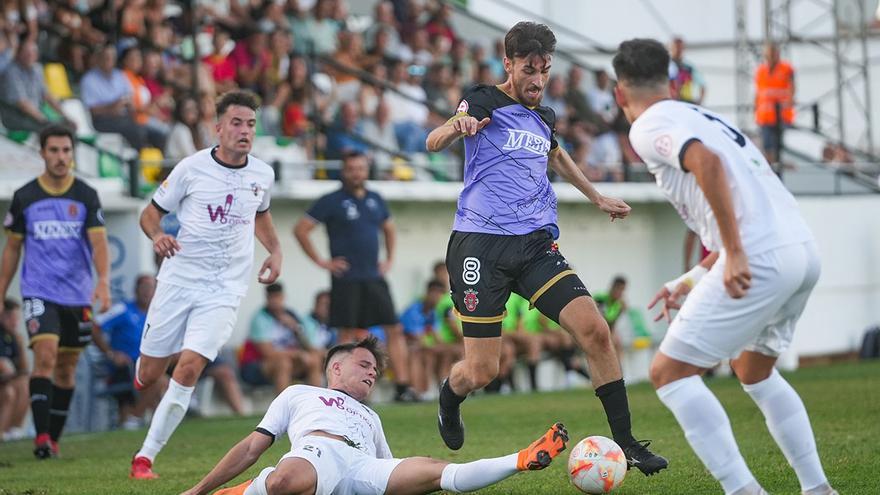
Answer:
x=481 y=373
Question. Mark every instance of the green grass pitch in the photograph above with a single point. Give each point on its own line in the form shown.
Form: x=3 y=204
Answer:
x=843 y=402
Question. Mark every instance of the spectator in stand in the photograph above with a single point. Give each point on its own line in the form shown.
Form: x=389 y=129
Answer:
x=384 y=22
x=419 y=320
x=349 y=55
x=8 y=44
x=605 y=149
x=380 y=130
x=221 y=66
x=316 y=326
x=582 y=112
x=554 y=97
x=280 y=47
x=418 y=52
x=321 y=30
x=439 y=89
x=187 y=135
x=132 y=21
x=462 y=61
x=24 y=91
x=380 y=53
x=75 y=34
x=297 y=102
x=154 y=77
x=146 y=112
x=224 y=378
x=276 y=348
x=372 y=92
x=485 y=75
x=440 y=48
x=123 y=325
x=346 y=136
x=14 y=396
x=408 y=111
x=252 y=59
x=774 y=88
x=440 y=23
x=496 y=61
x=106 y=92
x=687 y=82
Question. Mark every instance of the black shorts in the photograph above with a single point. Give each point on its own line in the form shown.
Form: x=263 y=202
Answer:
x=70 y=325
x=360 y=303
x=485 y=268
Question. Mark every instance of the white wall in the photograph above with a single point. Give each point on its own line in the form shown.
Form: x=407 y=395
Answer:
x=647 y=248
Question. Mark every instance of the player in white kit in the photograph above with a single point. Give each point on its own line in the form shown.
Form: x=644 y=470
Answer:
x=744 y=299
x=221 y=197
x=338 y=445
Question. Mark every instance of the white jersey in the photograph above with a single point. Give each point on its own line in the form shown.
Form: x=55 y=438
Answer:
x=766 y=213
x=302 y=409
x=216 y=205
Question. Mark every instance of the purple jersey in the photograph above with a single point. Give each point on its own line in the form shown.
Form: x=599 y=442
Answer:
x=57 y=263
x=506 y=189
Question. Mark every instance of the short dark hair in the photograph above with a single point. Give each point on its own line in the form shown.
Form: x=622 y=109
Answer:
x=9 y=304
x=370 y=343
x=619 y=280
x=435 y=284
x=351 y=155
x=274 y=288
x=240 y=97
x=55 y=130
x=529 y=38
x=642 y=62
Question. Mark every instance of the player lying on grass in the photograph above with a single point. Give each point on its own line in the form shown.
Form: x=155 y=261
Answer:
x=338 y=445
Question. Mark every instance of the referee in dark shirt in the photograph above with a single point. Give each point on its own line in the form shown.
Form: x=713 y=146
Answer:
x=359 y=295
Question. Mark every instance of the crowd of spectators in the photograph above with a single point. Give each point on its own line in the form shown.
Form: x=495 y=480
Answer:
x=330 y=82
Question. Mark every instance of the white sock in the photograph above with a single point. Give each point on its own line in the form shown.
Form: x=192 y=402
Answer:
x=707 y=429
x=472 y=476
x=169 y=414
x=258 y=486
x=787 y=421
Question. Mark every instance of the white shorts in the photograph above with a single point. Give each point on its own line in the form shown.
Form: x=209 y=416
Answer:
x=712 y=326
x=343 y=470
x=181 y=318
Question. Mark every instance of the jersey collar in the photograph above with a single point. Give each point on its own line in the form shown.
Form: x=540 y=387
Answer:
x=53 y=191
x=227 y=165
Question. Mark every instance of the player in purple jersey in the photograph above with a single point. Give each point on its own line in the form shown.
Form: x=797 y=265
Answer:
x=504 y=233
x=58 y=220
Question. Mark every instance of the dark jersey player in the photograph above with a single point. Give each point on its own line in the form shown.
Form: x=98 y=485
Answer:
x=57 y=219
x=504 y=235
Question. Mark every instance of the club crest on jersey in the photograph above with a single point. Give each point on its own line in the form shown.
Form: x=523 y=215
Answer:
x=471 y=300
x=462 y=107
x=663 y=145
x=72 y=210
x=33 y=326
x=256 y=188
x=518 y=139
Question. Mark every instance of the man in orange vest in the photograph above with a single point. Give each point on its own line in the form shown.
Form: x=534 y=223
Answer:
x=774 y=92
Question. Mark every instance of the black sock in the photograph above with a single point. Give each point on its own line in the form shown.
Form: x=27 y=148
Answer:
x=400 y=388
x=41 y=398
x=448 y=398
x=58 y=413
x=613 y=397
x=533 y=376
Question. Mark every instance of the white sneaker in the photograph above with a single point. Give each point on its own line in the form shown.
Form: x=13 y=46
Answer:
x=14 y=434
x=132 y=423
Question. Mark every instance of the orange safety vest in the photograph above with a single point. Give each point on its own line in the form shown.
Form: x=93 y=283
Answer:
x=772 y=87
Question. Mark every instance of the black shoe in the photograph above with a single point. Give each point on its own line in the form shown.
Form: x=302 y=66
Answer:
x=450 y=425
x=407 y=395
x=43 y=451
x=638 y=455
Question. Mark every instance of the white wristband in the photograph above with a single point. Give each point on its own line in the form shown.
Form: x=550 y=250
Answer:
x=690 y=278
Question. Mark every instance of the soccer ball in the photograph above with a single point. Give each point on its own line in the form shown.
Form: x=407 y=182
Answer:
x=596 y=465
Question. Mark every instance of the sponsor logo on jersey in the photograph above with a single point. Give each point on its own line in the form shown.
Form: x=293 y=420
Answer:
x=471 y=300
x=56 y=229
x=663 y=145
x=338 y=402
x=8 y=220
x=518 y=139
x=221 y=214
